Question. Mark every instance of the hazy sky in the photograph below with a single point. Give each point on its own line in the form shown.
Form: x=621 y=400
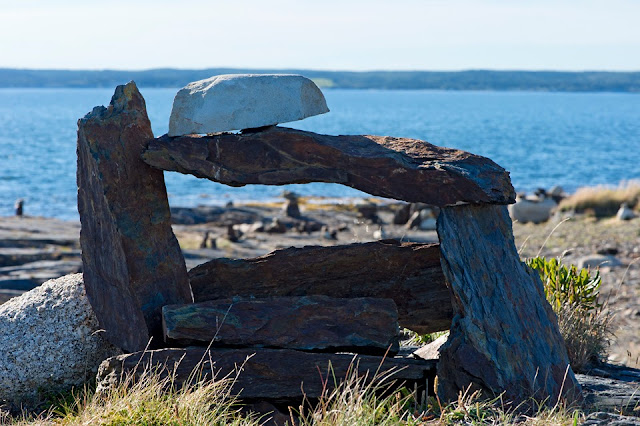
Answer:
x=321 y=34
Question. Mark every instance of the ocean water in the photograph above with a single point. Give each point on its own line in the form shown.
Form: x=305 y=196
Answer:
x=543 y=139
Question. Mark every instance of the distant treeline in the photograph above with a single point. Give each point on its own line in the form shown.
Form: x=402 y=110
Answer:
x=457 y=80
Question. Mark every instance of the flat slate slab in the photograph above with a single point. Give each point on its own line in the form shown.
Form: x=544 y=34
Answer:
x=610 y=394
x=408 y=273
x=400 y=168
x=267 y=373
x=312 y=323
x=243 y=101
x=132 y=263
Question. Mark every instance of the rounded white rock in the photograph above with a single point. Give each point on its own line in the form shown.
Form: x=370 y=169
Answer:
x=49 y=340
x=243 y=101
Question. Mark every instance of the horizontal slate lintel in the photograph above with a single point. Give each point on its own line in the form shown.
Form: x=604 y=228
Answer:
x=404 y=169
x=364 y=325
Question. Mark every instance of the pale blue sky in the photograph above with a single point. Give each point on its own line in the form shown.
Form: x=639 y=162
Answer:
x=322 y=34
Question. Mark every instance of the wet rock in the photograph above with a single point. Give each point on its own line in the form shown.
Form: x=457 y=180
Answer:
x=49 y=340
x=19 y=256
x=368 y=212
x=404 y=169
x=408 y=273
x=610 y=394
x=275 y=227
x=38 y=232
x=269 y=373
x=132 y=262
x=30 y=275
x=222 y=216
x=243 y=101
x=602 y=418
x=402 y=214
x=608 y=250
x=597 y=260
x=311 y=323
x=308 y=226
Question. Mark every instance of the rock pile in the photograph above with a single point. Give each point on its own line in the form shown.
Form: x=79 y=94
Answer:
x=283 y=315
x=470 y=191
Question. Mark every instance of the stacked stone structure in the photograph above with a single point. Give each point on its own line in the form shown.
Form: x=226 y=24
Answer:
x=287 y=309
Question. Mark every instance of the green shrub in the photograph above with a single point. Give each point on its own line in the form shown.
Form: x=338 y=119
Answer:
x=566 y=285
x=583 y=322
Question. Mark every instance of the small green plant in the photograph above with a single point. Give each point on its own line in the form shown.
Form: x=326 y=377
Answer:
x=567 y=285
x=573 y=294
x=411 y=338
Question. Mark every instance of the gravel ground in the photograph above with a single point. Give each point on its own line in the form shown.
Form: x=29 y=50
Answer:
x=580 y=237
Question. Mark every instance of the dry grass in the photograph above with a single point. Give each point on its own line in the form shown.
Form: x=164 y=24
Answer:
x=586 y=334
x=153 y=399
x=150 y=399
x=357 y=400
x=601 y=201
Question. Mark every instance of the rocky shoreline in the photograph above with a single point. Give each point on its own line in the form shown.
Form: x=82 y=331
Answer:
x=35 y=249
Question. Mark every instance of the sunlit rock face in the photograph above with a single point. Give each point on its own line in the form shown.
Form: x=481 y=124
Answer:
x=243 y=101
x=49 y=340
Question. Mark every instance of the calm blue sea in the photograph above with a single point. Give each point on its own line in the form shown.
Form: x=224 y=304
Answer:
x=543 y=139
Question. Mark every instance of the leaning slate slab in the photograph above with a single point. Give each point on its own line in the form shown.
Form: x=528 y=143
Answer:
x=131 y=259
x=243 y=101
x=363 y=325
x=267 y=373
x=504 y=336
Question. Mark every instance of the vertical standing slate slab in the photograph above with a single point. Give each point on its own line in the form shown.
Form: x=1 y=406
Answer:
x=131 y=259
x=504 y=335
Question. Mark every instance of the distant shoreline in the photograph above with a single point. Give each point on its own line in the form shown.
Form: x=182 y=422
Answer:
x=480 y=80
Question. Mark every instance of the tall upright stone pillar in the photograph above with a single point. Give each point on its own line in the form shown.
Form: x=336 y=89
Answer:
x=504 y=336
x=131 y=259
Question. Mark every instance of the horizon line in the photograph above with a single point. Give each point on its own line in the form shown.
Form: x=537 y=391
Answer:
x=323 y=70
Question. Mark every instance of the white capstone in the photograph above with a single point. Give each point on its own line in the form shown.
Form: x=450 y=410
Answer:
x=244 y=101
x=49 y=340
